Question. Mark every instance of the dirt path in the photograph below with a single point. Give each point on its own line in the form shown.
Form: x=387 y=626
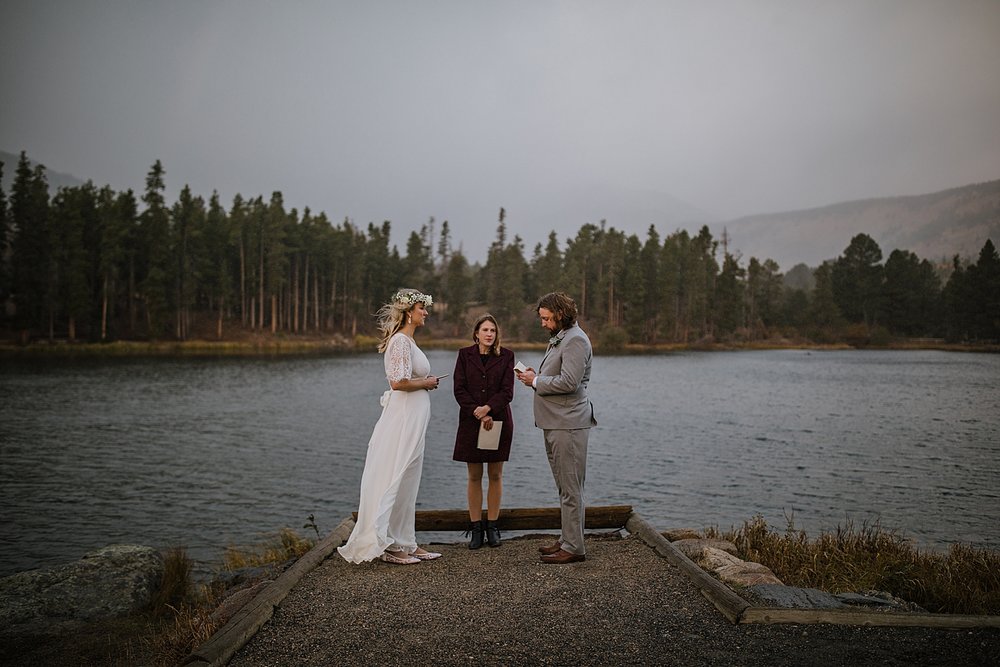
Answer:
x=624 y=605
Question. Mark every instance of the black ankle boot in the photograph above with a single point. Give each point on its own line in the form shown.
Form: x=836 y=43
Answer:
x=492 y=533
x=477 y=534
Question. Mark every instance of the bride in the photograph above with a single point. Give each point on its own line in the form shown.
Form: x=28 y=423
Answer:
x=385 y=526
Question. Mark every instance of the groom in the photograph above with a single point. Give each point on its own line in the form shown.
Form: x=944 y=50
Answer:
x=564 y=413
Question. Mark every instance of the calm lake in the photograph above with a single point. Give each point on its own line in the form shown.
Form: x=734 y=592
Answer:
x=206 y=453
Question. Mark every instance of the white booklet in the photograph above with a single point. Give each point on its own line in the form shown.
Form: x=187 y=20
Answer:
x=489 y=439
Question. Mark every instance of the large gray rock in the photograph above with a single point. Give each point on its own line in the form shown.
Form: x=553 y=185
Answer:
x=675 y=534
x=711 y=559
x=109 y=582
x=793 y=597
x=733 y=569
x=747 y=573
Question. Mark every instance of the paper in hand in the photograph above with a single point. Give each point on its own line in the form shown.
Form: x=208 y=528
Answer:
x=519 y=367
x=489 y=439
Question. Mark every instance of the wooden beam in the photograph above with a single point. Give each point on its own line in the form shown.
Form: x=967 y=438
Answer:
x=524 y=518
x=769 y=615
x=230 y=638
x=724 y=599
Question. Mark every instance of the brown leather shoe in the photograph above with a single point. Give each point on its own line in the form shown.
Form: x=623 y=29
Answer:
x=562 y=557
x=550 y=549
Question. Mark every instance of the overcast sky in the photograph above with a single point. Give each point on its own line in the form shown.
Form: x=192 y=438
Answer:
x=562 y=112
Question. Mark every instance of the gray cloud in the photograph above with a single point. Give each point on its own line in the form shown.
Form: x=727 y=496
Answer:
x=640 y=113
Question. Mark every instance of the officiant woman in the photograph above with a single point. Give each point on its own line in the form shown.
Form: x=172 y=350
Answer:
x=484 y=388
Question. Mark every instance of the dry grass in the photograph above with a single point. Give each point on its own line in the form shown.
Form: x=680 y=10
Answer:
x=189 y=608
x=285 y=546
x=965 y=580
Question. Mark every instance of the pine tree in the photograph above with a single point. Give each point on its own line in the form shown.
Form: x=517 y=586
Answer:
x=633 y=290
x=117 y=215
x=187 y=216
x=857 y=281
x=729 y=297
x=910 y=294
x=652 y=295
x=73 y=211
x=156 y=269
x=31 y=260
x=825 y=313
x=5 y=278
x=984 y=285
x=457 y=291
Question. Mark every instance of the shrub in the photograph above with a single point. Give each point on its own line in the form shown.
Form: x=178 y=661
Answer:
x=966 y=580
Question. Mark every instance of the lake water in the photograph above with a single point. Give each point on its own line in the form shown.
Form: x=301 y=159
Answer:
x=206 y=453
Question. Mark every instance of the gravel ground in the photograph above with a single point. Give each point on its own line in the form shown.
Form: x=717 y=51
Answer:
x=624 y=605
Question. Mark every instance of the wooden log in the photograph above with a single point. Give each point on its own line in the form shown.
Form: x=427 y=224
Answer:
x=769 y=615
x=606 y=517
x=226 y=641
x=725 y=600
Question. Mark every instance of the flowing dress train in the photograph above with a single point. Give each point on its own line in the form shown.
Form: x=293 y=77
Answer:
x=394 y=462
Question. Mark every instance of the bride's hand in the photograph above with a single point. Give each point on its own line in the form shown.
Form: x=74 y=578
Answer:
x=431 y=382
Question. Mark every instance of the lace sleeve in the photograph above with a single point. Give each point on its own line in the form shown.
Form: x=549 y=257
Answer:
x=397 y=359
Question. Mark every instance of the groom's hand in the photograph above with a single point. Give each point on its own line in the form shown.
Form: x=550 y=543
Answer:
x=527 y=376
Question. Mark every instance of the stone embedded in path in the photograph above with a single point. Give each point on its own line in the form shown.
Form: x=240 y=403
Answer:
x=113 y=581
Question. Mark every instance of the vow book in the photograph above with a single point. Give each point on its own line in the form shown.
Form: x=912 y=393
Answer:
x=489 y=439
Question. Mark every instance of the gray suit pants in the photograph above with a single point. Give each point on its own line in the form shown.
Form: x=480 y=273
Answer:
x=567 y=452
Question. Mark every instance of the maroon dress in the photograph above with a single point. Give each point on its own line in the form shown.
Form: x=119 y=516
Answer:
x=477 y=383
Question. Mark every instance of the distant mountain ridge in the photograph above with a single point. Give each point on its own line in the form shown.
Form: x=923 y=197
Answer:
x=56 y=179
x=934 y=226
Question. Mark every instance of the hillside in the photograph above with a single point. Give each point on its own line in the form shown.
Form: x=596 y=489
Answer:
x=934 y=226
x=56 y=179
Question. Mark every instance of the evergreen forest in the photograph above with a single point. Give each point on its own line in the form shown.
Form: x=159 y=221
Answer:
x=91 y=264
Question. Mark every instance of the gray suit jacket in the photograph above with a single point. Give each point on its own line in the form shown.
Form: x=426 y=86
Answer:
x=561 y=400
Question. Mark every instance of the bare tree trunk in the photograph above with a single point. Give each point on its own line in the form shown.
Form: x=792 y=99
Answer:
x=274 y=313
x=131 y=295
x=243 y=284
x=316 y=321
x=261 y=288
x=305 y=296
x=218 y=323
x=104 y=310
x=295 y=297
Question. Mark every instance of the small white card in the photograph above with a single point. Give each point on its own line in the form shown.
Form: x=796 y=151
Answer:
x=519 y=367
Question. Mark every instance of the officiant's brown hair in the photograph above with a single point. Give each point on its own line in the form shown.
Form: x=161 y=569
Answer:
x=486 y=317
x=562 y=306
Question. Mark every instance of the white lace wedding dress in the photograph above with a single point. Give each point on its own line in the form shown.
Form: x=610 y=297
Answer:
x=395 y=458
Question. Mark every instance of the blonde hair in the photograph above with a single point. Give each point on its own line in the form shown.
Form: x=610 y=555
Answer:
x=390 y=316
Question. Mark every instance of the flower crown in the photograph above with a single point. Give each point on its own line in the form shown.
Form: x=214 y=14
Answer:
x=411 y=298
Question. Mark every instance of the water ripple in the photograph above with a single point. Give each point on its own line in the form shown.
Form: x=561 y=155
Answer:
x=210 y=453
